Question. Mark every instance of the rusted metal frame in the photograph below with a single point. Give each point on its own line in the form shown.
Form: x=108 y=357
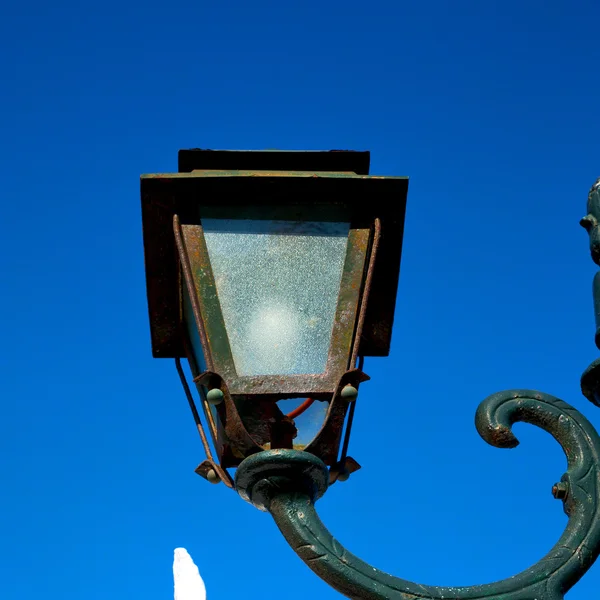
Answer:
x=366 y=291
x=203 y=286
x=189 y=289
x=359 y=328
x=220 y=472
x=235 y=430
x=326 y=443
x=198 y=325
x=192 y=404
x=189 y=281
x=233 y=426
x=349 y=423
x=195 y=373
x=186 y=271
x=215 y=330
x=352 y=275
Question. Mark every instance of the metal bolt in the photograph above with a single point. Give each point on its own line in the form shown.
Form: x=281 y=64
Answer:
x=349 y=393
x=560 y=490
x=343 y=475
x=214 y=396
x=212 y=477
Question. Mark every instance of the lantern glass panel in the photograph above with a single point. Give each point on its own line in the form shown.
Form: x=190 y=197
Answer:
x=278 y=284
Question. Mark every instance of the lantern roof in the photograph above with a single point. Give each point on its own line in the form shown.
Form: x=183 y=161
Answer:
x=274 y=182
x=274 y=160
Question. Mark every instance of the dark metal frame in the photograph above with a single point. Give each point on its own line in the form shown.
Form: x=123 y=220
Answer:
x=333 y=161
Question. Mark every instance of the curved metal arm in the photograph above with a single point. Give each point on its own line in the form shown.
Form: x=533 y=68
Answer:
x=286 y=483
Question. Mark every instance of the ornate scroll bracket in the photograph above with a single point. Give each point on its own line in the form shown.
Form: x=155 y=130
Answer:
x=590 y=380
x=287 y=483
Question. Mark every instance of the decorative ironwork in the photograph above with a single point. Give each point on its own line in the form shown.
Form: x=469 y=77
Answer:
x=287 y=483
x=590 y=380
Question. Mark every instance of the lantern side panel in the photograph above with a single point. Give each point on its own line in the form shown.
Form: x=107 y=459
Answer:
x=278 y=284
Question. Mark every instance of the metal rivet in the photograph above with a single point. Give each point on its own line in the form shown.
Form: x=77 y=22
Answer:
x=212 y=476
x=214 y=396
x=560 y=490
x=349 y=392
x=343 y=475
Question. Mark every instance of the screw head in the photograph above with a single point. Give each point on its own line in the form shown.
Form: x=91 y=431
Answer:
x=560 y=490
x=212 y=477
x=349 y=393
x=214 y=396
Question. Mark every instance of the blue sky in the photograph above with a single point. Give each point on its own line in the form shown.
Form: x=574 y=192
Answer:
x=490 y=107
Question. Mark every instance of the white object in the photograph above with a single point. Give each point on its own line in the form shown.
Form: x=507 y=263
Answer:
x=188 y=583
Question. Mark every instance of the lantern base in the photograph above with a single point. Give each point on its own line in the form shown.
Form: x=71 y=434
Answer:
x=267 y=474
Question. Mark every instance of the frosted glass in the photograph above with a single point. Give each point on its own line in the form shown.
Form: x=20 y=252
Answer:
x=278 y=284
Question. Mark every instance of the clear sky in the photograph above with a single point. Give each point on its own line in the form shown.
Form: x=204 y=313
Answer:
x=493 y=110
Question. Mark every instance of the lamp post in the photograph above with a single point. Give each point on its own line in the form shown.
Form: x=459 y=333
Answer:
x=275 y=274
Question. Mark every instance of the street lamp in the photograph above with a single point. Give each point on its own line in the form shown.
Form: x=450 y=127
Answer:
x=275 y=274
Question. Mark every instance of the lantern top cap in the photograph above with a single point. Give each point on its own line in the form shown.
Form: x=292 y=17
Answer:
x=265 y=178
x=274 y=160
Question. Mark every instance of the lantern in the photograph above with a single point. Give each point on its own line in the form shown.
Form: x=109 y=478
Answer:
x=274 y=274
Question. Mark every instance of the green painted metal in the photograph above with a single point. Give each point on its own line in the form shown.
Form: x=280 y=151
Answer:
x=287 y=484
x=349 y=393
x=590 y=380
x=214 y=396
x=591 y=222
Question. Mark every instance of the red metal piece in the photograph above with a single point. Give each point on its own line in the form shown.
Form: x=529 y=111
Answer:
x=301 y=409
